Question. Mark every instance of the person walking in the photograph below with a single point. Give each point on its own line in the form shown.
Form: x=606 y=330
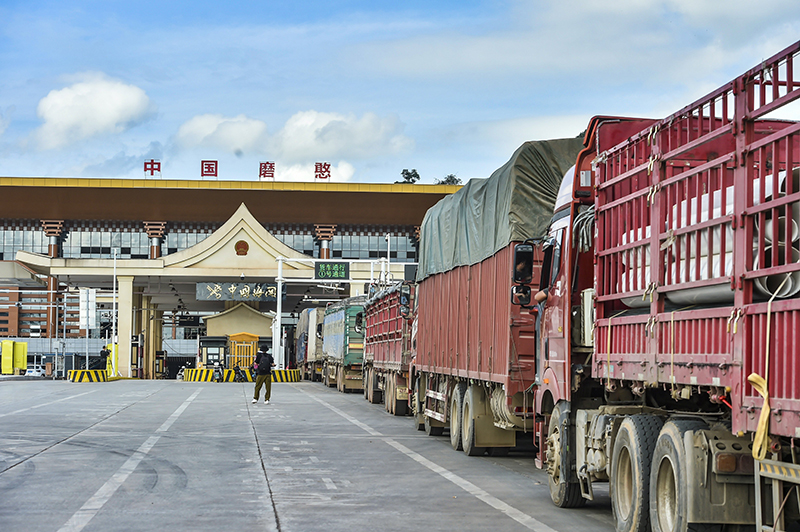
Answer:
x=264 y=365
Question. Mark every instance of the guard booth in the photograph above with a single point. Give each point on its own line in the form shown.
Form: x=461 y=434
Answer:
x=242 y=349
x=234 y=337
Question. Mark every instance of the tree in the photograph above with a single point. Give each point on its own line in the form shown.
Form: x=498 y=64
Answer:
x=449 y=179
x=409 y=178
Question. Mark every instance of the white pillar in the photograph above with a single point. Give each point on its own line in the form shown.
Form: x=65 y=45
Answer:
x=277 y=333
x=125 y=325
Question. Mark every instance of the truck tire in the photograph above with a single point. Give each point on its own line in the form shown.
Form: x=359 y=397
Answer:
x=563 y=493
x=629 y=480
x=468 y=425
x=456 y=403
x=365 y=383
x=668 y=498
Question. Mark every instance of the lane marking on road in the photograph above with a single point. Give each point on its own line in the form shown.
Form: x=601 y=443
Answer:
x=329 y=484
x=81 y=518
x=46 y=404
x=521 y=517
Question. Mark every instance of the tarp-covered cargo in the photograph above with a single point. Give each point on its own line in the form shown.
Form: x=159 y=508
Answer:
x=342 y=343
x=514 y=204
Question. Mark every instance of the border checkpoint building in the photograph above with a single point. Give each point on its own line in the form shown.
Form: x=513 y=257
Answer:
x=195 y=262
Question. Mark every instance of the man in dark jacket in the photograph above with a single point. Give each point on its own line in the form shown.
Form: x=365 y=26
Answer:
x=264 y=365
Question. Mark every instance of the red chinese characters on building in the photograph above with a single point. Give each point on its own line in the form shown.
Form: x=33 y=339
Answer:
x=208 y=168
x=152 y=166
x=322 y=170
x=266 y=170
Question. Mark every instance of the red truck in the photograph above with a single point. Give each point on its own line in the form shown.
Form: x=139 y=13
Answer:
x=474 y=371
x=668 y=360
x=387 y=321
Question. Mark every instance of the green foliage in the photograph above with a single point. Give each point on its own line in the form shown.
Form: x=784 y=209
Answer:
x=449 y=179
x=409 y=177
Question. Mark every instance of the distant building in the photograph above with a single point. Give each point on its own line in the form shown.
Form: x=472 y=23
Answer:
x=165 y=238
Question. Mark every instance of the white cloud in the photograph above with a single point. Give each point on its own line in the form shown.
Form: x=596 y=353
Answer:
x=307 y=136
x=97 y=105
x=238 y=135
x=627 y=40
x=312 y=135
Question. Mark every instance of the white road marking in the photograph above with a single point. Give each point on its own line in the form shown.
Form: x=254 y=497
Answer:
x=46 y=404
x=524 y=519
x=329 y=484
x=81 y=518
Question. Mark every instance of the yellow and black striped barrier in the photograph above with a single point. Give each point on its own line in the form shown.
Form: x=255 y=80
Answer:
x=87 y=375
x=198 y=375
x=285 y=375
x=228 y=375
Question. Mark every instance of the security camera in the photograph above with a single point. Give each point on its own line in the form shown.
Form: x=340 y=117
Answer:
x=242 y=276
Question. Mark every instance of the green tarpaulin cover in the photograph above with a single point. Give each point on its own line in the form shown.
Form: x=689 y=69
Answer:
x=514 y=204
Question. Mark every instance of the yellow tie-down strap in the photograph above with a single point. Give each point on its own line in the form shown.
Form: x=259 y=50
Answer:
x=759 y=383
x=761 y=443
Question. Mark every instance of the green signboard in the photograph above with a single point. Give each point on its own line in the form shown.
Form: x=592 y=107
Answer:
x=336 y=271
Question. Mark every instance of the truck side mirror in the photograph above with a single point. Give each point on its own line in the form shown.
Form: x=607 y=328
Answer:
x=521 y=295
x=319 y=330
x=405 y=311
x=405 y=295
x=523 y=264
x=359 y=322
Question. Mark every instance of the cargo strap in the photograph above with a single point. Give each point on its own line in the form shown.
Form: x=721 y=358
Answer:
x=760 y=384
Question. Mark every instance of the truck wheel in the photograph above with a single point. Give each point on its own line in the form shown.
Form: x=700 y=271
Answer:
x=629 y=481
x=564 y=494
x=468 y=426
x=365 y=384
x=456 y=403
x=668 y=497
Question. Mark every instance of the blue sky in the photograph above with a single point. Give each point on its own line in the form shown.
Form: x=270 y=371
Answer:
x=94 y=88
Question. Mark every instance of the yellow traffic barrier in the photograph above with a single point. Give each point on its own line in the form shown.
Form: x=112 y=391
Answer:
x=285 y=375
x=198 y=375
x=228 y=375
x=87 y=375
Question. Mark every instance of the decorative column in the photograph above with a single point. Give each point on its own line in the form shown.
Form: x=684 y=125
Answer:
x=155 y=230
x=324 y=234
x=53 y=229
x=125 y=331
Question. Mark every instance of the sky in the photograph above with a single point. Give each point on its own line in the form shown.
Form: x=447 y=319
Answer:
x=94 y=88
